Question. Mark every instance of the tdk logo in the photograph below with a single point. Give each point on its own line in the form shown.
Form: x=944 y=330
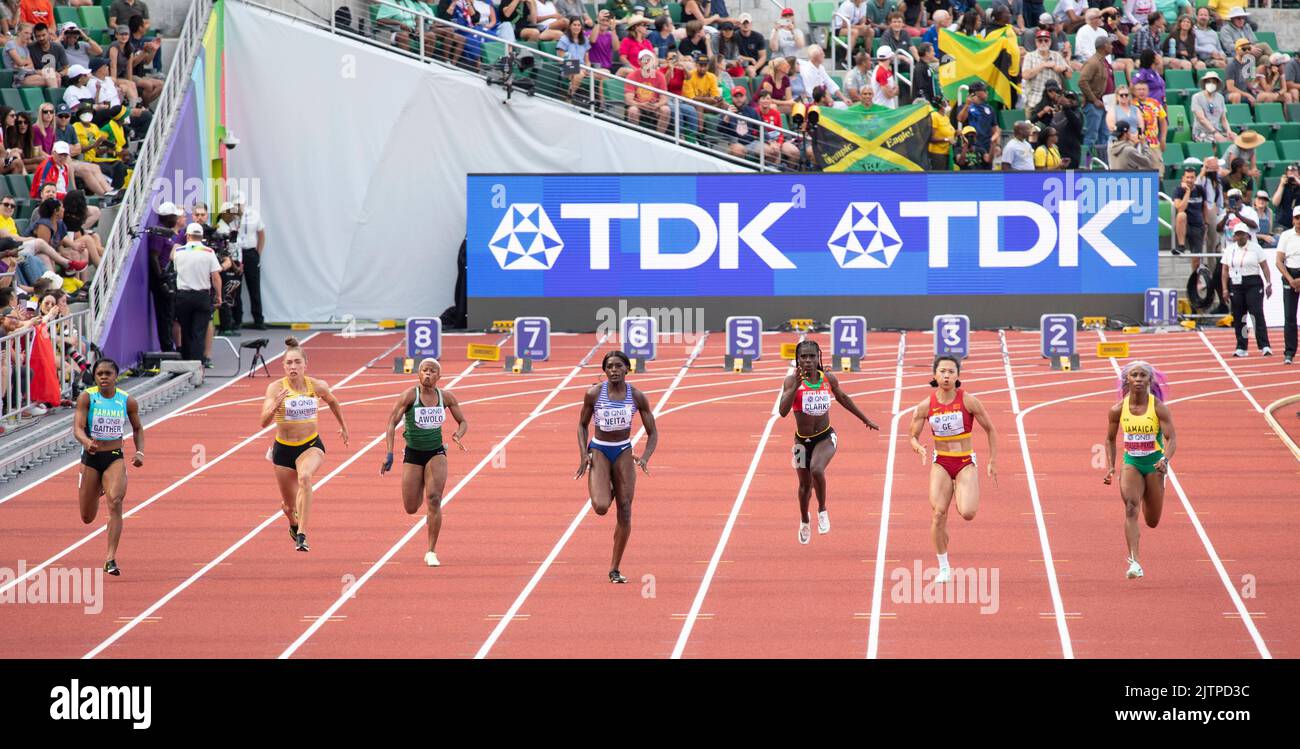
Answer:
x=865 y=237
x=525 y=239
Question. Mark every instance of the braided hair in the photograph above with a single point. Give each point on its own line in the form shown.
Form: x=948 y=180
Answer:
x=815 y=347
x=934 y=383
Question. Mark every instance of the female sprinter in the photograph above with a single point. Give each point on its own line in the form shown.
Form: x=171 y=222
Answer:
x=424 y=463
x=808 y=390
x=298 y=450
x=608 y=455
x=952 y=414
x=1148 y=446
x=102 y=412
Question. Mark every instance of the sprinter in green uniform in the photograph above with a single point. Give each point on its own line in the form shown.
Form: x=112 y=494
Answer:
x=102 y=414
x=424 y=470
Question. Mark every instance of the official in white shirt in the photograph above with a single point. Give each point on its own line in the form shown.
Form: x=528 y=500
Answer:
x=252 y=241
x=198 y=277
x=1246 y=276
x=1288 y=264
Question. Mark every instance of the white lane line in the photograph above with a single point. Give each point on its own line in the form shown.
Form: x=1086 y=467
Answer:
x=149 y=425
x=1011 y=377
x=1231 y=374
x=878 y=586
x=577 y=520
x=712 y=569
x=240 y=543
x=352 y=590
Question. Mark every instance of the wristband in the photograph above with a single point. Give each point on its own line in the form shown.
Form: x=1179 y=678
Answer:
x=388 y=461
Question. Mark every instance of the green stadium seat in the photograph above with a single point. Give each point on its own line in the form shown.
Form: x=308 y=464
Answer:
x=1293 y=112
x=1269 y=114
x=6 y=78
x=1180 y=128
x=675 y=11
x=33 y=98
x=1240 y=117
x=1121 y=78
x=64 y=14
x=1275 y=170
x=1290 y=150
x=1165 y=210
x=54 y=95
x=1009 y=117
x=1266 y=153
x=1267 y=37
x=11 y=98
x=1179 y=80
x=1174 y=154
x=493 y=51
x=1200 y=151
x=93 y=17
x=547 y=47
x=1287 y=131
x=1174 y=97
x=1169 y=186
x=18 y=184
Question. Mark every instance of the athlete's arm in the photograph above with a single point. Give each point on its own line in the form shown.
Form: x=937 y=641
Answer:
x=275 y=395
x=847 y=402
x=453 y=405
x=918 y=423
x=404 y=402
x=982 y=418
x=324 y=393
x=137 y=430
x=788 y=389
x=584 y=418
x=1167 y=429
x=651 y=431
x=1112 y=430
x=79 y=422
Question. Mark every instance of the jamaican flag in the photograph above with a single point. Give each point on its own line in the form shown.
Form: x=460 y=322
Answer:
x=877 y=139
x=995 y=59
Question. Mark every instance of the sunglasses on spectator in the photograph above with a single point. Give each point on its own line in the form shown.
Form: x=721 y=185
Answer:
x=47 y=111
x=7 y=204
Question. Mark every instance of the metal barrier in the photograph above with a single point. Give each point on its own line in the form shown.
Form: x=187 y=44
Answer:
x=16 y=376
x=69 y=337
x=103 y=288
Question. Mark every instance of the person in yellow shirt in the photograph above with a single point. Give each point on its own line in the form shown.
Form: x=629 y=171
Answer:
x=1048 y=154
x=105 y=144
x=941 y=135
x=1222 y=8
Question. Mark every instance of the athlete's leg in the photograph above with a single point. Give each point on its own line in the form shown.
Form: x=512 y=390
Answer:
x=941 y=487
x=966 y=491
x=435 y=478
x=822 y=453
x=412 y=487
x=287 y=482
x=624 y=480
x=1131 y=486
x=88 y=494
x=599 y=487
x=308 y=462
x=1153 y=499
x=114 y=481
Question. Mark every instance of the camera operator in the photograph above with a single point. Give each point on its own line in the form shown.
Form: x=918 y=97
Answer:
x=198 y=280
x=161 y=241
x=1287 y=196
x=224 y=240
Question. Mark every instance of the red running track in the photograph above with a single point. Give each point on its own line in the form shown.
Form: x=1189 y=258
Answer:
x=714 y=566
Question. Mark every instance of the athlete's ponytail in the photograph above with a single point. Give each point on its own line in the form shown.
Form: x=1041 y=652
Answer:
x=934 y=383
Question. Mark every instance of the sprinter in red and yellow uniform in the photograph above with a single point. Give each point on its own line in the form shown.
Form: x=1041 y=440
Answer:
x=952 y=414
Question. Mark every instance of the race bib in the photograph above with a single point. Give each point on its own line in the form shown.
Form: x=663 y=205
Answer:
x=300 y=408
x=613 y=419
x=816 y=402
x=106 y=427
x=1139 y=445
x=947 y=424
x=429 y=417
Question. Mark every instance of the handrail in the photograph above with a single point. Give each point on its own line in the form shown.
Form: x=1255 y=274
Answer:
x=104 y=287
x=676 y=101
x=832 y=39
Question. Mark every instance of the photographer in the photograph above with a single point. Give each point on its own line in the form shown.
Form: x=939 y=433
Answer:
x=1287 y=196
x=973 y=156
x=161 y=241
x=198 y=283
x=225 y=242
x=78 y=47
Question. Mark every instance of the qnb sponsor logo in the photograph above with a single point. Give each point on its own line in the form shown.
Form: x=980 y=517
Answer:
x=969 y=585
x=75 y=702
x=526 y=239
x=54 y=585
x=866 y=237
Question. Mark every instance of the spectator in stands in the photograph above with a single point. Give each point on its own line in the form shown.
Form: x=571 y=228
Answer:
x=571 y=8
x=976 y=113
x=725 y=82
x=78 y=90
x=1208 y=48
x=1236 y=29
x=942 y=136
x=1272 y=82
x=696 y=41
x=729 y=49
x=699 y=10
x=1287 y=196
x=542 y=21
x=914 y=19
x=24 y=140
x=103 y=145
x=1245 y=146
x=1048 y=105
x=143 y=49
x=925 y=76
x=778 y=83
x=1155 y=122
x=653 y=9
x=1085 y=40
x=973 y=156
x=753 y=47
x=76 y=214
x=1265 y=236
x=602 y=39
x=1071 y=14
x=662 y=36
x=1146 y=35
x=1238 y=178
x=744 y=135
x=1118 y=40
x=36 y=11
x=859 y=77
x=1128 y=151
x=127 y=58
x=786 y=39
x=1210 y=111
x=49 y=227
x=1041 y=68
x=1124 y=110
x=108 y=97
x=512 y=17
x=702 y=86
x=1148 y=73
x=1018 y=155
x=884 y=83
x=77 y=47
x=851 y=23
x=8 y=19
x=813 y=72
x=1068 y=123
x=1242 y=84
x=1096 y=80
x=647 y=99
x=121 y=12
x=895 y=34
x=634 y=44
x=31 y=246
x=777 y=146
x=19 y=57
x=940 y=20
x=573 y=48
x=675 y=74
x=619 y=9
x=1048 y=154
x=46 y=54
x=1179 y=48
x=1191 y=213
x=12 y=154
x=1290 y=68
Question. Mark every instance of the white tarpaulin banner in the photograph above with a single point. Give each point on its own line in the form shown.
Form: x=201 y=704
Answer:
x=360 y=158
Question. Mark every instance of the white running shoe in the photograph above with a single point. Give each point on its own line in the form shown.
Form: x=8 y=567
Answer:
x=1134 y=570
x=805 y=533
x=431 y=559
x=823 y=523
x=1266 y=351
x=944 y=576
x=1240 y=353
